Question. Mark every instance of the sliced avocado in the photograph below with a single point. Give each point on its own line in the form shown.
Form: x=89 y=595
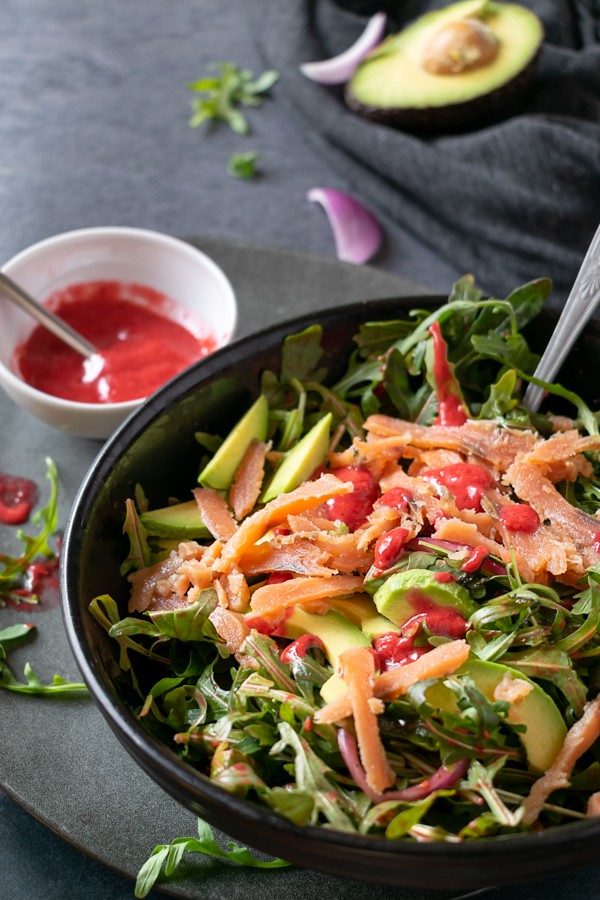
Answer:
x=362 y=612
x=398 y=598
x=337 y=633
x=181 y=521
x=161 y=548
x=546 y=729
x=451 y=68
x=300 y=462
x=219 y=472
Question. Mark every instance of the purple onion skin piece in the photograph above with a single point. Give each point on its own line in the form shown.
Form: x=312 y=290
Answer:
x=443 y=779
x=340 y=69
x=357 y=233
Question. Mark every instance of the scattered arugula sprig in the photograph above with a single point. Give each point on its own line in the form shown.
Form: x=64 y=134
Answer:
x=32 y=684
x=169 y=856
x=226 y=92
x=243 y=165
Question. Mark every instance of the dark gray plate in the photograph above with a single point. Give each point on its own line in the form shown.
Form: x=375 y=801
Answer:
x=58 y=758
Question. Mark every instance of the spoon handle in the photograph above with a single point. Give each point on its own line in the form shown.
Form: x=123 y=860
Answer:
x=583 y=299
x=46 y=318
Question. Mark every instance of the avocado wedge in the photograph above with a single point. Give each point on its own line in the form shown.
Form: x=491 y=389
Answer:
x=299 y=463
x=337 y=634
x=181 y=522
x=545 y=729
x=220 y=470
x=451 y=68
x=412 y=591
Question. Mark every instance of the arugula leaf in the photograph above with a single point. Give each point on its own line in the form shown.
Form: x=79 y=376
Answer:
x=314 y=777
x=169 y=856
x=32 y=684
x=140 y=554
x=501 y=399
x=226 y=92
x=481 y=780
x=510 y=350
x=300 y=354
x=189 y=623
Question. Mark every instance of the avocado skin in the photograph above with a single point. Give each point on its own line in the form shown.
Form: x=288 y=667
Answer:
x=454 y=117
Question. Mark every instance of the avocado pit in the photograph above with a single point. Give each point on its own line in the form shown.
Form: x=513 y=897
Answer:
x=460 y=46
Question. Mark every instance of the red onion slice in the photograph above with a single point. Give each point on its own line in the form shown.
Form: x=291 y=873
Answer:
x=339 y=69
x=356 y=231
x=442 y=779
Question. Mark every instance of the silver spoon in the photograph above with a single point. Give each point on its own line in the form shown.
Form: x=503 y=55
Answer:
x=46 y=318
x=581 y=303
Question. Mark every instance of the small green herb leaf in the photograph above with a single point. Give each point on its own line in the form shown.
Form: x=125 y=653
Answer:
x=243 y=165
x=225 y=93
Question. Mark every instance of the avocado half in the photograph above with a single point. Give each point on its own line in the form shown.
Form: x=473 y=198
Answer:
x=449 y=69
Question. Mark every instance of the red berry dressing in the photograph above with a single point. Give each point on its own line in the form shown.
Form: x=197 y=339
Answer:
x=450 y=406
x=17 y=497
x=278 y=577
x=441 y=620
x=520 y=517
x=389 y=548
x=300 y=647
x=353 y=509
x=141 y=345
x=466 y=481
x=444 y=577
x=398 y=498
x=474 y=561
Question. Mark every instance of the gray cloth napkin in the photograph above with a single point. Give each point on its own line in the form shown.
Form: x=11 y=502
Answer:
x=510 y=201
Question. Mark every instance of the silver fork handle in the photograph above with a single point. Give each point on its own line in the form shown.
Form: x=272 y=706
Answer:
x=583 y=299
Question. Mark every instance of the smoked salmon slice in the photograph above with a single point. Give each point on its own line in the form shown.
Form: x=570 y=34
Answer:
x=215 y=513
x=248 y=479
x=439 y=661
x=358 y=669
x=272 y=599
x=307 y=496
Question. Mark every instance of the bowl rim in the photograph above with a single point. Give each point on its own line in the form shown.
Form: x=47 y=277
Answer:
x=78 y=235
x=158 y=760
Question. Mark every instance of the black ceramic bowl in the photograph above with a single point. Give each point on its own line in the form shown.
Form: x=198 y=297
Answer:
x=156 y=448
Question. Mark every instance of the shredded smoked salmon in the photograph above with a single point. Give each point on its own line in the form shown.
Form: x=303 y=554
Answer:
x=248 y=479
x=358 y=669
x=442 y=660
x=215 y=513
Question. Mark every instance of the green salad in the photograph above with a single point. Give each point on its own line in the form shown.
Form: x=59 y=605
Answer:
x=377 y=608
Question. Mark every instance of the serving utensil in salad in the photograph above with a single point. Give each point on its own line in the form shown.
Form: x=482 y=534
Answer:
x=581 y=303
x=45 y=317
